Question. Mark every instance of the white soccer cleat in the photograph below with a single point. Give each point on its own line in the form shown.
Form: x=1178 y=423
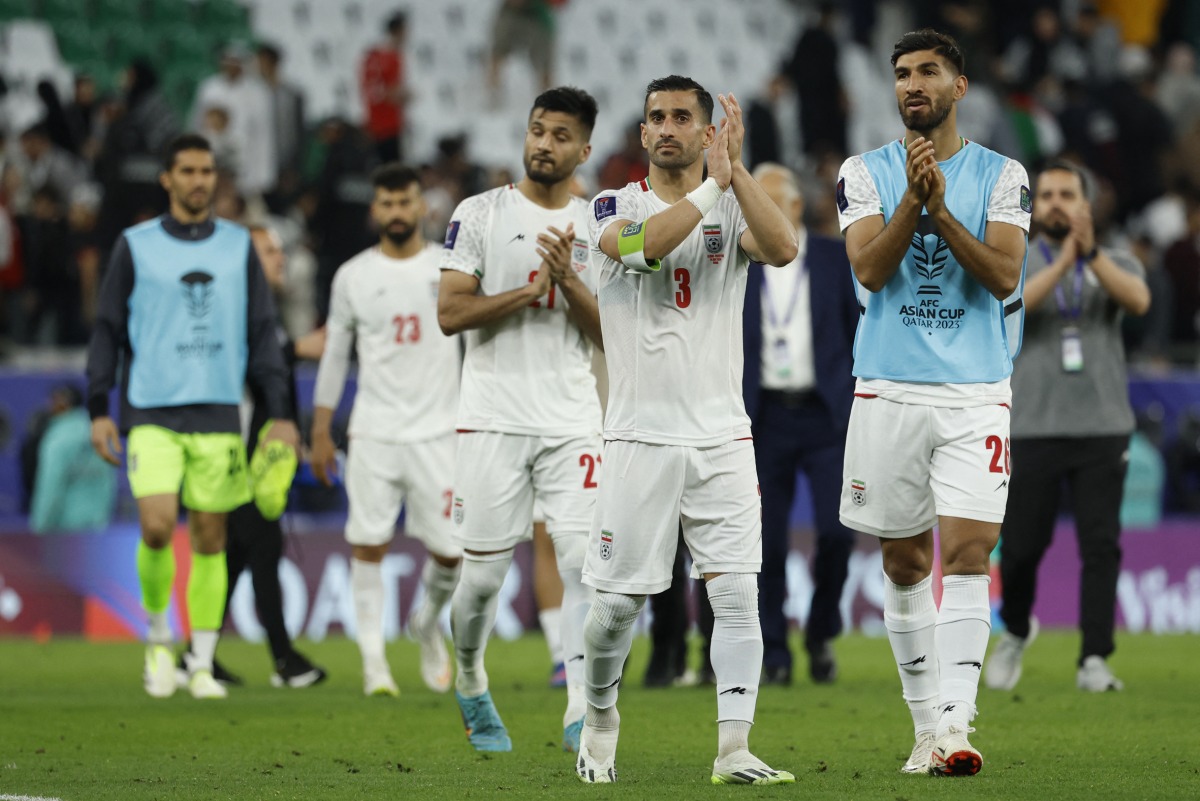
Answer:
x=742 y=767
x=953 y=756
x=1003 y=669
x=435 y=659
x=203 y=686
x=593 y=769
x=1094 y=676
x=918 y=760
x=380 y=683
x=158 y=675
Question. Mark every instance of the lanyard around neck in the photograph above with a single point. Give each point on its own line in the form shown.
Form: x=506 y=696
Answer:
x=772 y=318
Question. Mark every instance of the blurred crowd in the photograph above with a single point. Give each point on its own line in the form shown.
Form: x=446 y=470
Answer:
x=1112 y=84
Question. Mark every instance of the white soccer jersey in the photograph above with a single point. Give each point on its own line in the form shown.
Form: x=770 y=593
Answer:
x=408 y=372
x=529 y=373
x=673 y=338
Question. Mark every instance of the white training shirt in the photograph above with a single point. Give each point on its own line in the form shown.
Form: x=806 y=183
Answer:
x=529 y=373
x=673 y=338
x=408 y=372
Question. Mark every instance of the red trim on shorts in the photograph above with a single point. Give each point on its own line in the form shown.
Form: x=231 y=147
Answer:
x=864 y=395
x=1005 y=405
x=744 y=439
x=464 y=431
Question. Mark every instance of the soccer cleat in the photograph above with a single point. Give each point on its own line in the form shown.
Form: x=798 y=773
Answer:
x=219 y=672
x=485 y=730
x=952 y=755
x=296 y=671
x=380 y=683
x=742 y=767
x=558 y=675
x=571 y=736
x=1003 y=668
x=1094 y=676
x=435 y=660
x=158 y=676
x=590 y=769
x=918 y=760
x=203 y=686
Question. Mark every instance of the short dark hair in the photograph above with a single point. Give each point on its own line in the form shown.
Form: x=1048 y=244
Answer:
x=273 y=53
x=397 y=22
x=395 y=176
x=1065 y=165
x=186 y=141
x=679 y=83
x=569 y=100
x=940 y=43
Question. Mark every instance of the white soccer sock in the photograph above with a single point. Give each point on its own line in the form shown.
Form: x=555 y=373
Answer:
x=204 y=648
x=366 y=585
x=439 y=582
x=576 y=602
x=159 y=632
x=551 y=622
x=472 y=615
x=964 y=624
x=736 y=652
x=607 y=635
x=910 y=616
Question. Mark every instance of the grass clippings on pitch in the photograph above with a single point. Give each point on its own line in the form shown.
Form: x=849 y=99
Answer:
x=75 y=725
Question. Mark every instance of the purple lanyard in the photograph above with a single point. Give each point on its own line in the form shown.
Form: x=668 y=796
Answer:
x=1077 y=291
x=791 y=307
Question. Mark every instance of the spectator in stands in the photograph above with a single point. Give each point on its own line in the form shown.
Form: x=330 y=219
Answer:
x=86 y=251
x=12 y=271
x=522 y=26
x=58 y=128
x=251 y=119
x=40 y=163
x=1100 y=41
x=629 y=164
x=1178 y=91
x=813 y=71
x=51 y=294
x=73 y=489
x=214 y=127
x=1045 y=51
x=1181 y=263
x=287 y=108
x=381 y=80
x=81 y=115
x=139 y=125
x=1143 y=131
x=1071 y=423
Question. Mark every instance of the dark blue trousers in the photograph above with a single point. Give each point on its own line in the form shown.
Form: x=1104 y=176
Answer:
x=794 y=434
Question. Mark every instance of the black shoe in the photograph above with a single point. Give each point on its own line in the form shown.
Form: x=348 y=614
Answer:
x=661 y=671
x=822 y=665
x=294 y=670
x=222 y=675
x=778 y=675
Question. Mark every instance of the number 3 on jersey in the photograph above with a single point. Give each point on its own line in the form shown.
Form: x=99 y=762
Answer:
x=683 y=287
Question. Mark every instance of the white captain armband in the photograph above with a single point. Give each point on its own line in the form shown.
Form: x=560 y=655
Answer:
x=631 y=243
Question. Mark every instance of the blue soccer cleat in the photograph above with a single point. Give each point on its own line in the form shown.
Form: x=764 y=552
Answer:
x=571 y=736
x=485 y=730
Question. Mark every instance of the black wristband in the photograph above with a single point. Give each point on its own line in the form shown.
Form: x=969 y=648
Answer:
x=1093 y=253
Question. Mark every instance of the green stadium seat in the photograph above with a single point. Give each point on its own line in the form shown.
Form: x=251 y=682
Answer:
x=183 y=43
x=57 y=11
x=112 y=12
x=16 y=9
x=79 y=41
x=163 y=12
x=225 y=17
x=128 y=42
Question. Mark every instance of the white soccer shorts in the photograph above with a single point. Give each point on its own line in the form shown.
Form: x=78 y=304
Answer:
x=382 y=476
x=497 y=476
x=649 y=490
x=906 y=464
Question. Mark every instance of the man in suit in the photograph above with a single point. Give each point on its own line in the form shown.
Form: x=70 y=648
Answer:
x=799 y=323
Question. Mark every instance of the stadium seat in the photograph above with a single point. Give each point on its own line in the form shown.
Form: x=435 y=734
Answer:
x=170 y=11
x=118 y=12
x=226 y=16
x=15 y=9
x=78 y=40
x=56 y=11
x=127 y=42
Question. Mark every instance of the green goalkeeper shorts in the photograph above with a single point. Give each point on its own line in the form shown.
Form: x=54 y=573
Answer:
x=211 y=468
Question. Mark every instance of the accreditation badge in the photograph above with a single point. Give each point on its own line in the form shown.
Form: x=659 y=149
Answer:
x=1072 y=350
x=781 y=358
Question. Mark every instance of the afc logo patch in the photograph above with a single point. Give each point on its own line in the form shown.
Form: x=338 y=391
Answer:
x=605 y=207
x=451 y=234
x=606 y=545
x=458 y=511
x=1026 y=202
x=858 y=492
x=842 y=203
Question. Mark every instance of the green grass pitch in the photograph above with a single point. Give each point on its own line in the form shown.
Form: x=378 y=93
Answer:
x=75 y=725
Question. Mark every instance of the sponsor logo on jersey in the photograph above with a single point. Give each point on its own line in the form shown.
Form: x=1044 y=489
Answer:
x=1026 y=202
x=843 y=204
x=858 y=491
x=451 y=234
x=605 y=207
x=606 y=545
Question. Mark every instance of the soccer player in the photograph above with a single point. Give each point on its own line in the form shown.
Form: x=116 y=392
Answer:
x=516 y=278
x=401 y=427
x=186 y=308
x=935 y=230
x=673 y=252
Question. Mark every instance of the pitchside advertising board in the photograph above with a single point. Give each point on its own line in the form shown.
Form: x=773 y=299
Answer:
x=87 y=585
